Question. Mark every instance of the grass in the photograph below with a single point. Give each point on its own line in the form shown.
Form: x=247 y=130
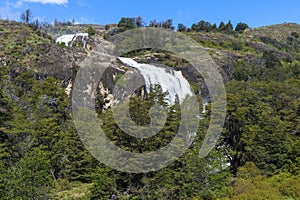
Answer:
x=221 y=41
x=20 y=42
x=74 y=191
x=276 y=32
x=194 y=86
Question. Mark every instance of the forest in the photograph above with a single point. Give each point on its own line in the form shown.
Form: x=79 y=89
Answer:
x=256 y=157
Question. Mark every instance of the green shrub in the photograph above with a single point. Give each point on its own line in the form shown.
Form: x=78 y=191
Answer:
x=91 y=31
x=61 y=185
x=237 y=46
x=295 y=34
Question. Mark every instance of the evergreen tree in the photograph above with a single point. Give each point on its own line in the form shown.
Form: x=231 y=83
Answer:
x=214 y=27
x=104 y=186
x=126 y=23
x=3 y=179
x=30 y=178
x=168 y=24
x=181 y=28
x=221 y=26
x=228 y=26
x=241 y=27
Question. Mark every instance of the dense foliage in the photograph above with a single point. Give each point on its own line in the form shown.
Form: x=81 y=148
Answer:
x=42 y=157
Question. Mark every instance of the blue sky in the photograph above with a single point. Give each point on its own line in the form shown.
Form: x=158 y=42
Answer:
x=256 y=13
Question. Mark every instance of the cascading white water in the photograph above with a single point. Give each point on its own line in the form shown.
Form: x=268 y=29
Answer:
x=66 y=39
x=170 y=80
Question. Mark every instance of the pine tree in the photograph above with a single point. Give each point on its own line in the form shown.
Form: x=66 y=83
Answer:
x=181 y=28
x=30 y=178
x=126 y=23
x=104 y=186
x=221 y=26
x=240 y=27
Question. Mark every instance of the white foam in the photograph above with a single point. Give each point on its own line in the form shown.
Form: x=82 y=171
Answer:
x=66 y=39
x=170 y=80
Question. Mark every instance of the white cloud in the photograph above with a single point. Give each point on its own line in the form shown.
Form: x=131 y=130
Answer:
x=11 y=5
x=6 y=14
x=18 y=4
x=83 y=3
x=59 y=2
x=8 y=11
x=11 y=9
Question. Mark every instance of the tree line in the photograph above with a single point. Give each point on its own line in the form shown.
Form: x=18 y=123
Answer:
x=127 y=23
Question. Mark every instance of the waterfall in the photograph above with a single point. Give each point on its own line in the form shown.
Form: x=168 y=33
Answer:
x=169 y=79
x=66 y=39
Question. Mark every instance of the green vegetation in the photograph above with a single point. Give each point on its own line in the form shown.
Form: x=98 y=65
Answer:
x=208 y=27
x=127 y=23
x=42 y=157
x=74 y=190
x=91 y=31
x=251 y=184
x=181 y=28
x=241 y=27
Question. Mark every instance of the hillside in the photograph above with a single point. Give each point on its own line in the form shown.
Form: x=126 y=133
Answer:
x=19 y=41
x=43 y=157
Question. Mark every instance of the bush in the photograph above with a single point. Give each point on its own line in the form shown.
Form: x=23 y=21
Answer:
x=295 y=34
x=61 y=185
x=91 y=31
x=237 y=46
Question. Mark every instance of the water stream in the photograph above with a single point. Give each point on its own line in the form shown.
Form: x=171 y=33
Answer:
x=169 y=79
